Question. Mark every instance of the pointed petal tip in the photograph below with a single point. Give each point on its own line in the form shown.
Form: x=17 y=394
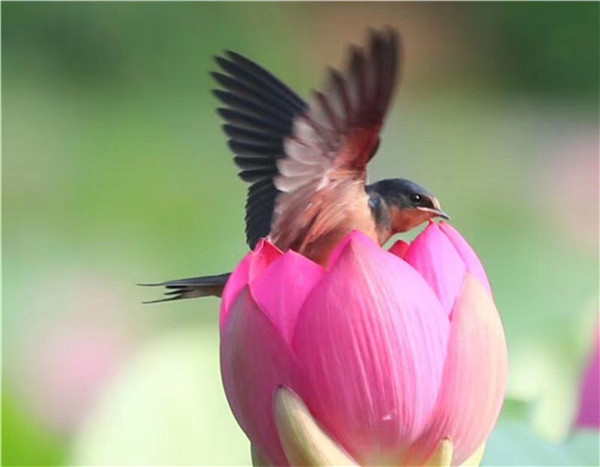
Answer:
x=355 y=241
x=281 y=289
x=264 y=245
x=434 y=256
x=399 y=248
x=468 y=255
x=246 y=271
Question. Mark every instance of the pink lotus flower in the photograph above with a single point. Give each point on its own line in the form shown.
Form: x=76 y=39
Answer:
x=588 y=415
x=391 y=352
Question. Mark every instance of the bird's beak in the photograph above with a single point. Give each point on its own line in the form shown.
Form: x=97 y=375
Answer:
x=436 y=210
x=436 y=213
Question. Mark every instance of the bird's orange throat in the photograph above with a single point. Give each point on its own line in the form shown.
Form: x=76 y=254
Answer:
x=404 y=220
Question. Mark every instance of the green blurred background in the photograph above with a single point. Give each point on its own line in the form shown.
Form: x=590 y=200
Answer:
x=115 y=172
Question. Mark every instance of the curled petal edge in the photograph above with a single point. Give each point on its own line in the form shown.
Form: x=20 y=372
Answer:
x=304 y=441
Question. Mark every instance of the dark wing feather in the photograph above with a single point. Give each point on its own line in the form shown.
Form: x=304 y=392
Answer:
x=259 y=113
x=259 y=209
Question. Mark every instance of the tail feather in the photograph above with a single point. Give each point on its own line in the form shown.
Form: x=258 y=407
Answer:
x=204 y=286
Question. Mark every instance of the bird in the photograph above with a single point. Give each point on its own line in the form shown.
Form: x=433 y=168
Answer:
x=306 y=162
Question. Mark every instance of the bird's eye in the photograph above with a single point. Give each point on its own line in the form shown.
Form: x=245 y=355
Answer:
x=415 y=198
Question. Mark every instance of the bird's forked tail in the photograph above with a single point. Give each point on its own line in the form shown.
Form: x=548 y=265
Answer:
x=205 y=286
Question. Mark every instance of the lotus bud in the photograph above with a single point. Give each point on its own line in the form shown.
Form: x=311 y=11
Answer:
x=384 y=358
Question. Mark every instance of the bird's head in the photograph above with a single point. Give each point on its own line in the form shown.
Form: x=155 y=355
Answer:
x=402 y=204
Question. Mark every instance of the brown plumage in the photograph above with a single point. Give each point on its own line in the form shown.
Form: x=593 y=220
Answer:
x=322 y=175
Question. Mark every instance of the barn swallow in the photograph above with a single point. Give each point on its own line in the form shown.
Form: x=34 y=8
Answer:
x=306 y=162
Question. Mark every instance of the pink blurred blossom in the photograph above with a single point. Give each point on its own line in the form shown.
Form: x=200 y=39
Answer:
x=588 y=415
x=391 y=351
x=68 y=353
x=569 y=187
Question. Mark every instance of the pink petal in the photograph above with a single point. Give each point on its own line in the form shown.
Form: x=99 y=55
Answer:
x=589 y=404
x=475 y=376
x=399 y=248
x=251 y=266
x=255 y=361
x=338 y=250
x=471 y=260
x=372 y=339
x=264 y=254
x=436 y=259
x=236 y=282
x=282 y=288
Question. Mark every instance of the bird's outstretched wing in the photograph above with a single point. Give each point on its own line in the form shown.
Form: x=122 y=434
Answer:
x=304 y=162
x=293 y=153
x=332 y=142
x=259 y=113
